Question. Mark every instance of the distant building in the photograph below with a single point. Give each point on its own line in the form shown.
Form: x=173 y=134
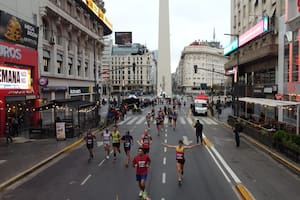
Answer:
x=131 y=69
x=201 y=67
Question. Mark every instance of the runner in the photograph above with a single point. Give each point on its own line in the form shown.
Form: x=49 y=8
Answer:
x=141 y=162
x=89 y=138
x=158 y=124
x=174 y=119
x=146 y=141
x=153 y=114
x=148 y=120
x=180 y=148
x=116 y=137
x=128 y=141
x=106 y=139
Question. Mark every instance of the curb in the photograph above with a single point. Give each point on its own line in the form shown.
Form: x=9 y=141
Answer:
x=244 y=193
x=40 y=164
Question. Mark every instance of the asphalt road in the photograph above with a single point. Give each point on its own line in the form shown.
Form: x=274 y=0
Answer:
x=211 y=172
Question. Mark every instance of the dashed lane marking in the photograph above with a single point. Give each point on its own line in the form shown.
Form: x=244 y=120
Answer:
x=140 y=120
x=86 y=179
x=164 y=178
x=2 y=161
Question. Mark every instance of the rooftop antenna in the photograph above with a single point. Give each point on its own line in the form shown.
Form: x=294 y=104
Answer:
x=214 y=35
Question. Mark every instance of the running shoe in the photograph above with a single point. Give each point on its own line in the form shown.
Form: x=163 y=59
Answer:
x=144 y=195
x=141 y=193
x=107 y=157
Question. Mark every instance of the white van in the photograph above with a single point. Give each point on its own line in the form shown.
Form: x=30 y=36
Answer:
x=200 y=107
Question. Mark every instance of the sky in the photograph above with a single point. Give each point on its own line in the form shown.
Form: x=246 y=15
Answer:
x=190 y=20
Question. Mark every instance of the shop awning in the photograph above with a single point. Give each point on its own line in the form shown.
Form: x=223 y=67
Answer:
x=274 y=103
x=269 y=102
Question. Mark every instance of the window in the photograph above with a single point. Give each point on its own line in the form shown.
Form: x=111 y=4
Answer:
x=46 y=60
x=86 y=68
x=70 y=65
x=59 y=62
x=78 y=67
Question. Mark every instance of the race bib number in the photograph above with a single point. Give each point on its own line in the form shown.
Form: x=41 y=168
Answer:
x=142 y=163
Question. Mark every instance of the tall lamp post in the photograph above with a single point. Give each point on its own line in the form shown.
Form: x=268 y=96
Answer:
x=235 y=81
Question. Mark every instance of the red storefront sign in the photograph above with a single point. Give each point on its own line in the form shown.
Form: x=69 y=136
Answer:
x=18 y=76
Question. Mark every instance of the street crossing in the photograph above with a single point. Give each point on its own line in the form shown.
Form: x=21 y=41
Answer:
x=130 y=120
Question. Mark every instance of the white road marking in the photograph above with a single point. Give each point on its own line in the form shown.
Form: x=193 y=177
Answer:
x=212 y=155
x=86 y=179
x=132 y=120
x=126 y=120
x=186 y=141
x=229 y=170
x=140 y=120
x=164 y=178
x=99 y=144
x=2 y=161
x=189 y=121
x=101 y=163
x=182 y=120
x=166 y=141
x=166 y=135
x=164 y=161
x=165 y=149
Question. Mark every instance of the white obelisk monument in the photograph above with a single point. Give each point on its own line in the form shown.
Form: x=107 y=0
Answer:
x=164 y=85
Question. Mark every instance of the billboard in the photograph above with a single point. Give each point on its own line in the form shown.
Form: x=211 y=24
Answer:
x=123 y=38
x=16 y=30
x=14 y=78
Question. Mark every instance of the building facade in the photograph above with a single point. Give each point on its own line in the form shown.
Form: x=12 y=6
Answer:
x=201 y=67
x=66 y=43
x=131 y=69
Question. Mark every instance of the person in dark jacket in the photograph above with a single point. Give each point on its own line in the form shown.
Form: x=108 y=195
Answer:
x=8 y=133
x=199 y=128
x=237 y=129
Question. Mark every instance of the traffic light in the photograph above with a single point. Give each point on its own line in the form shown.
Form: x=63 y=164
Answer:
x=133 y=67
x=195 y=69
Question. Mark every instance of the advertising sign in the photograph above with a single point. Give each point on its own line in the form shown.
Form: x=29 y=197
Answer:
x=60 y=130
x=14 y=78
x=16 y=30
x=231 y=47
x=123 y=38
x=253 y=32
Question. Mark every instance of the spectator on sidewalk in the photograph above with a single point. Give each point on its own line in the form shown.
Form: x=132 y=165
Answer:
x=8 y=133
x=237 y=129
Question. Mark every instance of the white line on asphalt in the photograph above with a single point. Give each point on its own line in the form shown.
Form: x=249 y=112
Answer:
x=165 y=161
x=229 y=170
x=190 y=121
x=166 y=135
x=212 y=155
x=165 y=149
x=140 y=120
x=164 y=178
x=2 y=161
x=186 y=141
x=166 y=141
x=86 y=179
x=101 y=163
x=162 y=198
x=182 y=120
x=132 y=120
x=99 y=144
x=126 y=120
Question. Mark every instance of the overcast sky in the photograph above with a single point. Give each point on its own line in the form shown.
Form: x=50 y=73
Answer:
x=190 y=20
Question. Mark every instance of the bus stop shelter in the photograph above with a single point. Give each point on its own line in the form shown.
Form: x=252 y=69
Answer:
x=274 y=103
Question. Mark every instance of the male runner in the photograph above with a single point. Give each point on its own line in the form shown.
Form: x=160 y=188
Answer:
x=180 y=148
x=89 y=138
x=146 y=141
x=128 y=141
x=116 y=137
x=148 y=120
x=141 y=162
x=106 y=139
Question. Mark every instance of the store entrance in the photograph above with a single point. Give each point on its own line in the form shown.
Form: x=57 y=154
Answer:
x=19 y=115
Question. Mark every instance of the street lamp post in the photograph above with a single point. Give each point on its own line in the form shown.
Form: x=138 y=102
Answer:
x=235 y=81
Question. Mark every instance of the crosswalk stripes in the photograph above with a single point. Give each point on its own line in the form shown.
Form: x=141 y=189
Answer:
x=181 y=120
x=140 y=120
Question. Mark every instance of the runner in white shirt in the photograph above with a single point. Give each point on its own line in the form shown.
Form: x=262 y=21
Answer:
x=106 y=139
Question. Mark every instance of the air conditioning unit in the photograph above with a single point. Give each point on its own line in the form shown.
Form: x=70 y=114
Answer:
x=52 y=41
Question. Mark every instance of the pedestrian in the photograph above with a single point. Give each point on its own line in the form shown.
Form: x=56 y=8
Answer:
x=8 y=133
x=127 y=139
x=180 y=148
x=106 y=139
x=116 y=138
x=237 y=129
x=141 y=162
x=90 y=138
x=146 y=141
x=199 y=128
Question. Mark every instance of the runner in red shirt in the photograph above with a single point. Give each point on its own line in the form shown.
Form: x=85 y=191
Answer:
x=141 y=162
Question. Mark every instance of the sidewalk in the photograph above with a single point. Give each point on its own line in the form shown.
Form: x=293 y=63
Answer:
x=25 y=155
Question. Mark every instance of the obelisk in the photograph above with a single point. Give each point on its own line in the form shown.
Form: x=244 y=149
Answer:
x=164 y=85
